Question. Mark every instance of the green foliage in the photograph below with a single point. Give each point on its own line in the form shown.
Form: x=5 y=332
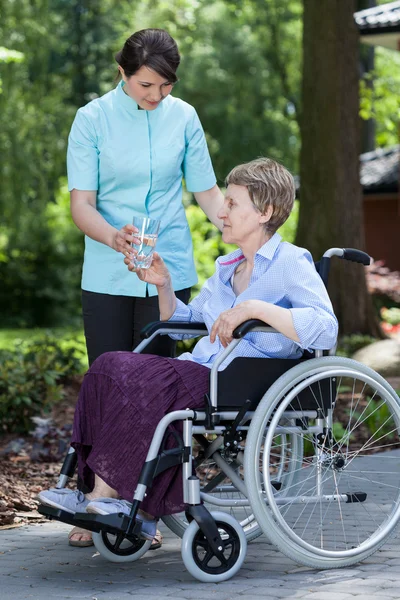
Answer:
x=391 y=315
x=9 y=56
x=67 y=338
x=349 y=344
x=31 y=374
x=378 y=418
x=381 y=100
x=240 y=69
x=40 y=271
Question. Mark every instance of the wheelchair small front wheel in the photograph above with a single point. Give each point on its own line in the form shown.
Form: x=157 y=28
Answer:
x=118 y=548
x=199 y=558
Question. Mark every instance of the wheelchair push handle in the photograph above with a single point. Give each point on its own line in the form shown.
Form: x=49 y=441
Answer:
x=356 y=256
x=350 y=254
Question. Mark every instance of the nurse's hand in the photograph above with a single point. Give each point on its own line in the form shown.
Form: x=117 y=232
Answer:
x=157 y=273
x=123 y=240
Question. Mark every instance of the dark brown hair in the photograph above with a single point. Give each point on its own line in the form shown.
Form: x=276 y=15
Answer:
x=152 y=48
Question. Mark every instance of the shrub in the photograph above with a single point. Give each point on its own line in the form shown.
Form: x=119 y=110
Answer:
x=383 y=284
x=349 y=344
x=391 y=315
x=31 y=377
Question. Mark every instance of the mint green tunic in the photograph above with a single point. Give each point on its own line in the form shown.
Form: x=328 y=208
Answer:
x=135 y=160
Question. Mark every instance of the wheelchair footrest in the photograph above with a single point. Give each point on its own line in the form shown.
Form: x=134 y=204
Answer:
x=356 y=497
x=115 y=523
x=276 y=485
x=61 y=515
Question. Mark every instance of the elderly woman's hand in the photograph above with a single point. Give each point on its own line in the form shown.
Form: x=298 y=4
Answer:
x=157 y=273
x=229 y=320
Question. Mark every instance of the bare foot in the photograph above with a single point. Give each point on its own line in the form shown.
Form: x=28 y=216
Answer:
x=80 y=537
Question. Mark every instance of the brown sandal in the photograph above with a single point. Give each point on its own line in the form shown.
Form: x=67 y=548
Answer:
x=80 y=543
x=157 y=541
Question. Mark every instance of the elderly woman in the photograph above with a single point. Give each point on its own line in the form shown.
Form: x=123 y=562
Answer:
x=125 y=395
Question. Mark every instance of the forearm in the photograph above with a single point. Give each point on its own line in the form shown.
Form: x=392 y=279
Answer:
x=277 y=317
x=166 y=301
x=210 y=202
x=90 y=221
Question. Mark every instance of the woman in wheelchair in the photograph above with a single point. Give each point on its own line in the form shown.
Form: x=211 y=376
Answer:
x=124 y=395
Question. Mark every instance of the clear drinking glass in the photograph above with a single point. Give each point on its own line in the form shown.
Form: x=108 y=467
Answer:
x=148 y=233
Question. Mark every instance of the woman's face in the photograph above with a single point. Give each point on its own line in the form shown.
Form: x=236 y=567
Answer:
x=146 y=87
x=242 y=222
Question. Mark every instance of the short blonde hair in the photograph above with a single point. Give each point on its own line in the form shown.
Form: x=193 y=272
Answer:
x=269 y=184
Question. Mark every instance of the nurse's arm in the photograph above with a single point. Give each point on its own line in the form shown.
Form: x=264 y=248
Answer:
x=88 y=219
x=210 y=202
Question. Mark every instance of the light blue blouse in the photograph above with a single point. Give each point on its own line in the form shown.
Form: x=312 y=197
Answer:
x=135 y=160
x=283 y=275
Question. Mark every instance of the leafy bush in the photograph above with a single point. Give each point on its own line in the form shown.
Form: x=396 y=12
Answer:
x=391 y=315
x=40 y=267
x=383 y=284
x=31 y=375
x=349 y=344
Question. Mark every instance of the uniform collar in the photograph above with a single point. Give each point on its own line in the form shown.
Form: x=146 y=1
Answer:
x=229 y=262
x=126 y=100
x=131 y=105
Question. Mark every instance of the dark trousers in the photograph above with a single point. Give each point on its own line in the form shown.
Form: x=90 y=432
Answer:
x=115 y=322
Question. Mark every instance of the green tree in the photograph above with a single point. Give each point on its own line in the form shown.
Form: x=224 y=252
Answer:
x=229 y=72
x=39 y=100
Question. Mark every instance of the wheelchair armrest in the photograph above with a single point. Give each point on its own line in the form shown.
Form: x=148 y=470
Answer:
x=182 y=326
x=252 y=325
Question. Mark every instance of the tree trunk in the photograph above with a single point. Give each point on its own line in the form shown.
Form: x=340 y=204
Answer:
x=331 y=213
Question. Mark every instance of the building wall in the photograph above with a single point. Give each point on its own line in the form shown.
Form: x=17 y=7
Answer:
x=382 y=228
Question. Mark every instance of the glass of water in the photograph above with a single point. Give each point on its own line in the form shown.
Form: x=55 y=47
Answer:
x=147 y=236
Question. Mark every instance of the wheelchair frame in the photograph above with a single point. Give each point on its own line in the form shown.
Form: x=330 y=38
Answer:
x=219 y=535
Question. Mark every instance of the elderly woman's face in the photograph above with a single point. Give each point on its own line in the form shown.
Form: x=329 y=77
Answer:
x=240 y=217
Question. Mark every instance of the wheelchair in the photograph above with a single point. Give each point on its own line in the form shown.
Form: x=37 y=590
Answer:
x=306 y=451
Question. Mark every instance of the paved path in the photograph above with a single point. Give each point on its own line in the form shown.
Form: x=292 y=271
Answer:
x=37 y=563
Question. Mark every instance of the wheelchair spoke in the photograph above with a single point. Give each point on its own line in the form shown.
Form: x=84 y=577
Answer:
x=339 y=498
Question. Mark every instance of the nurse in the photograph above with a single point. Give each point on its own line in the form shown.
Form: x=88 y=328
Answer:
x=128 y=152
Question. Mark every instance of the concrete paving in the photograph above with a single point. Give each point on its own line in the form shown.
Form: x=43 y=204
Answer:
x=36 y=563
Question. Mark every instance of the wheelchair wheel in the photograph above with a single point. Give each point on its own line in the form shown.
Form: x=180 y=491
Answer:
x=200 y=560
x=344 y=502
x=220 y=489
x=118 y=548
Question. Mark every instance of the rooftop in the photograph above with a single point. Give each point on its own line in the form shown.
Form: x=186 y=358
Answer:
x=380 y=169
x=380 y=25
x=385 y=15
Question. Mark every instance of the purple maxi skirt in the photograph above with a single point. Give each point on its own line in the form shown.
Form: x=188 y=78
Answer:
x=122 y=399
